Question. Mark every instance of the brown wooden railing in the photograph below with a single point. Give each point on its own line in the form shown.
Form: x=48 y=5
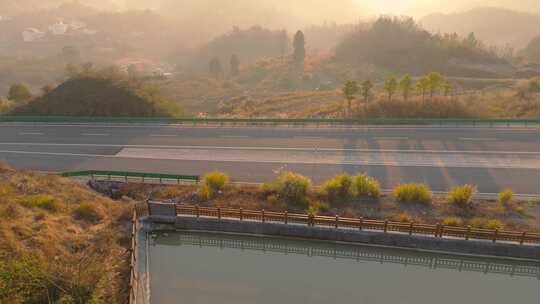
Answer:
x=411 y=228
x=132 y=297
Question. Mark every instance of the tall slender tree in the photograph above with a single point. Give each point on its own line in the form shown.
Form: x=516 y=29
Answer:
x=390 y=86
x=366 y=90
x=434 y=82
x=405 y=85
x=349 y=90
x=299 y=45
x=446 y=87
x=422 y=87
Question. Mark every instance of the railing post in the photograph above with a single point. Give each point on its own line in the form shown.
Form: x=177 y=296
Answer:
x=197 y=211
x=441 y=232
x=286 y=217
x=411 y=227
x=437 y=228
x=468 y=234
x=386 y=226
x=522 y=241
x=262 y=216
x=241 y=214
x=360 y=223
x=337 y=222
x=495 y=234
x=219 y=213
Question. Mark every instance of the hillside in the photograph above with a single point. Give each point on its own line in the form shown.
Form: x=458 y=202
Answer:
x=94 y=96
x=495 y=26
x=399 y=44
x=60 y=242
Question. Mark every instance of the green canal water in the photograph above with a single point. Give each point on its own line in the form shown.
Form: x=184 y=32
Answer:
x=197 y=268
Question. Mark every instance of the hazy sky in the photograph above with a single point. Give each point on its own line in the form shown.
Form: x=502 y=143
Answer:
x=419 y=8
x=308 y=10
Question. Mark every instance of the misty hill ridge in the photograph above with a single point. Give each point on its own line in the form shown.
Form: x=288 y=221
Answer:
x=89 y=96
x=495 y=26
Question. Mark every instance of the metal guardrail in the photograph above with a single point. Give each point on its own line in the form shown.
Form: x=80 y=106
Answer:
x=275 y=121
x=126 y=176
x=437 y=231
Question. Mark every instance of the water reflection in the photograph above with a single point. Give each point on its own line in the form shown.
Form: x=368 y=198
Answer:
x=203 y=268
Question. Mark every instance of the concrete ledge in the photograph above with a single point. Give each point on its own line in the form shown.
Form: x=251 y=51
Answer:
x=420 y=242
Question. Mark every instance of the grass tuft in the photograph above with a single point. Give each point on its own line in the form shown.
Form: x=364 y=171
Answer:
x=45 y=202
x=462 y=195
x=87 y=212
x=212 y=184
x=453 y=221
x=413 y=193
x=339 y=188
x=367 y=186
x=505 y=198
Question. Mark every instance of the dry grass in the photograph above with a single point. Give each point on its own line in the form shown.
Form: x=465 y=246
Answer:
x=521 y=216
x=47 y=254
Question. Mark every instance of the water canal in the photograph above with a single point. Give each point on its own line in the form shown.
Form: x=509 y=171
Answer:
x=188 y=267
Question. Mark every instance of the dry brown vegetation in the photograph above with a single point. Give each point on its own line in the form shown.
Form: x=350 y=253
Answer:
x=60 y=242
x=519 y=215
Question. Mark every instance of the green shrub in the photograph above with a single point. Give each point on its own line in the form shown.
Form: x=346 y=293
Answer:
x=268 y=189
x=87 y=212
x=366 y=186
x=494 y=224
x=45 y=202
x=404 y=217
x=453 y=221
x=413 y=193
x=293 y=188
x=483 y=223
x=213 y=183
x=461 y=195
x=505 y=197
x=338 y=188
x=216 y=180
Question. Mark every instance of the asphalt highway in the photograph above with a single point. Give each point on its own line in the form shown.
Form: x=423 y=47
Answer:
x=492 y=158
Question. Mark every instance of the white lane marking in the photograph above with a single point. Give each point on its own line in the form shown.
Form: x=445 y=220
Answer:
x=234 y=136
x=273 y=148
x=391 y=138
x=529 y=129
x=55 y=153
x=95 y=134
x=332 y=158
x=163 y=135
x=308 y=137
x=477 y=139
x=31 y=133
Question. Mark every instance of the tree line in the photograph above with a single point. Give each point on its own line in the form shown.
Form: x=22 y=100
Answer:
x=427 y=85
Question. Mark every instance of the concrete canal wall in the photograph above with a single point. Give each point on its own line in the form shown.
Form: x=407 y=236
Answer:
x=401 y=240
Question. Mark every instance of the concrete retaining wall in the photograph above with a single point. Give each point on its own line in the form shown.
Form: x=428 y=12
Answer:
x=460 y=246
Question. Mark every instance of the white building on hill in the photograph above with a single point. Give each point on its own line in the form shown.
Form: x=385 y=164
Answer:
x=59 y=28
x=32 y=34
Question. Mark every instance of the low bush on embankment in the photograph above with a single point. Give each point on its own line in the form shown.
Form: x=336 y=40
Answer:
x=413 y=193
x=60 y=242
x=360 y=196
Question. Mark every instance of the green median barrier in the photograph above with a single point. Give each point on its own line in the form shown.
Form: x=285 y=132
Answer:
x=125 y=174
x=273 y=121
